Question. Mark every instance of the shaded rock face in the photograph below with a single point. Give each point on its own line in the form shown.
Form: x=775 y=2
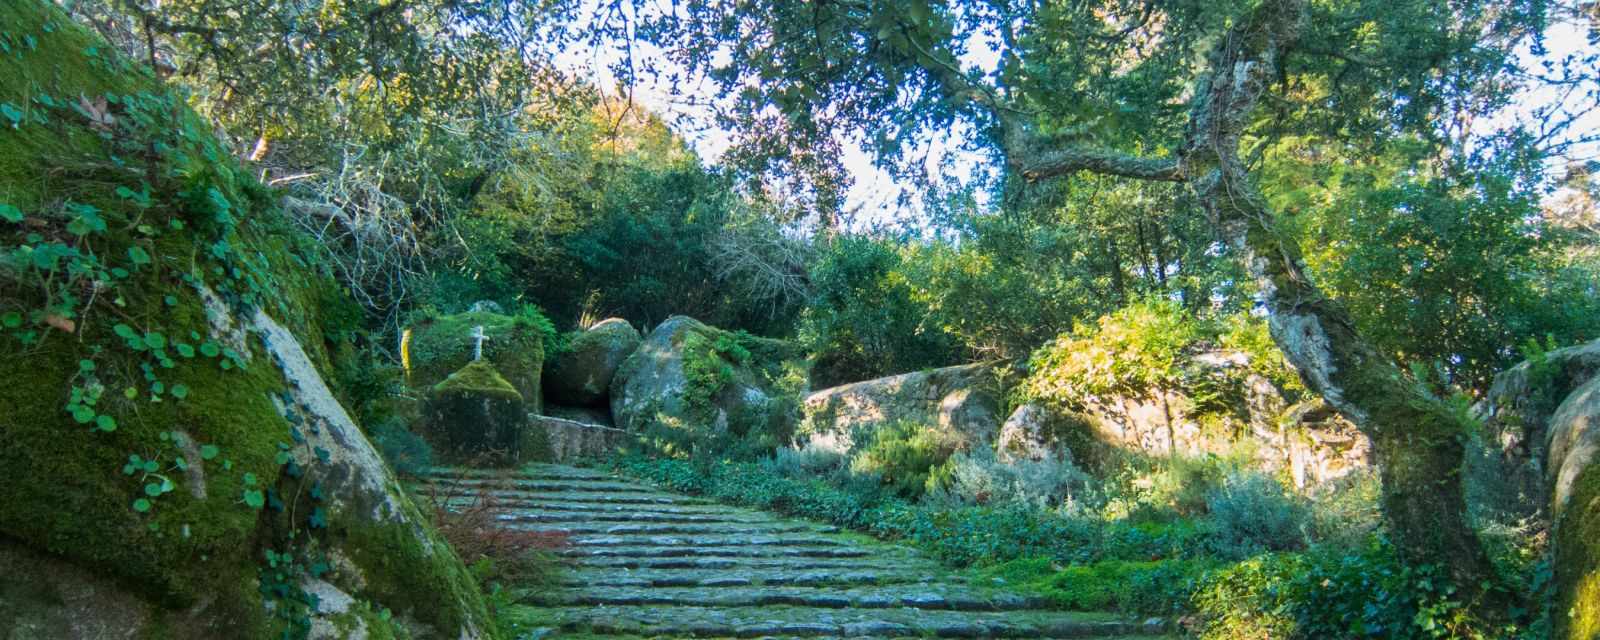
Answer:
x=1543 y=420
x=582 y=376
x=653 y=388
x=476 y=416
x=1518 y=418
x=441 y=346
x=962 y=401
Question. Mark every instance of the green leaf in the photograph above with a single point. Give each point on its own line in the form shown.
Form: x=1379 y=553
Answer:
x=82 y=414
x=11 y=112
x=155 y=340
x=10 y=213
x=210 y=349
x=184 y=350
x=254 y=498
x=124 y=331
x=141 y=505
x=180 y=391
x=86 y=365
x=106 y=423
x=138 y=256
x=11 y=320
x=152 y=489
x=208 y=452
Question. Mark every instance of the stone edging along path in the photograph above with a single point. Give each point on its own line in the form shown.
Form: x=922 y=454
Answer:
x=645 y=562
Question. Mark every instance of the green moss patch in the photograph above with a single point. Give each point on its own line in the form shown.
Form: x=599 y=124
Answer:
x=1577 y=562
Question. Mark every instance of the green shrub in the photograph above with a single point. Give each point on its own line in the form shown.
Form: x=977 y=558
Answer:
x=1332 y=593
x=903 y=454
x=406 y=452
x=1132 y=352
x=979 y=478
x=1252 y=514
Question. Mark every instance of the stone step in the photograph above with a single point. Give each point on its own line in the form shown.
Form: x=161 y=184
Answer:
x=813 y=622
x=585 y=498
x=518 y=485
x=707 y=541
x=919 y=596
x=744 y=577
x=506 y=514
x=669 y=529
x=546 y=475
x=737 y=563
x=702 y=508
x=726 y=551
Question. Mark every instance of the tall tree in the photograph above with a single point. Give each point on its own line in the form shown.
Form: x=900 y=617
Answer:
x=1191 y=93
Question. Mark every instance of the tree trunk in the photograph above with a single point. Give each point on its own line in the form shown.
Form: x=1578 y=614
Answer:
x=1417 y=440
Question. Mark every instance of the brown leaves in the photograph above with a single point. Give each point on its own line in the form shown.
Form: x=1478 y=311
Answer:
x=98 y=113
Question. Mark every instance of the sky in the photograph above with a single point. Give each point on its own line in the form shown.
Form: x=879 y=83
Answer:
x=873 y=197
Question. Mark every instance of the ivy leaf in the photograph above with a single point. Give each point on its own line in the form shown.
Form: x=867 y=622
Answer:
x=210 y=349
x=10 y=213
x=254 y=498
x=184 y=350
x=138 y=256
x=141 y=505
x=180 y=391
x=152 y=489
x=106 y=423
x=124 y=331
x=209 y=452
x=11 y=112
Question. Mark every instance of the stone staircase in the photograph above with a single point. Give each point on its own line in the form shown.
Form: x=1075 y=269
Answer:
x=645 y=562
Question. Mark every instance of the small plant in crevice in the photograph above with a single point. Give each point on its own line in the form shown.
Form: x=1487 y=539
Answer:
x=495 y=552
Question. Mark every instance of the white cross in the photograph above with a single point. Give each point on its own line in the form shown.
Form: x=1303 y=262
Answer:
x=477 y=345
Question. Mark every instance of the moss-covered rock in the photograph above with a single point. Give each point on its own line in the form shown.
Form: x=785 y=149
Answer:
x=440 y=346
x=164 y=414
x=582 y=375
x=476 y=416
x=1577 y=561
x=690 y=384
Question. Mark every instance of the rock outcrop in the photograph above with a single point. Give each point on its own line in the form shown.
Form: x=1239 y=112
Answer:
x=180 y=468
x=582 y=375
x=961 y=401
x=1544 y=416
x=1308 y=440
x=695 y=383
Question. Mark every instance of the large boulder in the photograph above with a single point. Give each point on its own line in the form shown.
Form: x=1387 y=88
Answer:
x=179 y=468
x=1543 y=415
x=961 y=401
x=440 y=346
x=692 y=384
x=476 y=417
x=582 y=375
x=1517 y=416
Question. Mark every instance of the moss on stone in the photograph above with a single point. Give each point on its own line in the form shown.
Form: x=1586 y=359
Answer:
x=408 y=568
x=194 y=554
x=514 y=345
x=478 y=378
x=1577 y=562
